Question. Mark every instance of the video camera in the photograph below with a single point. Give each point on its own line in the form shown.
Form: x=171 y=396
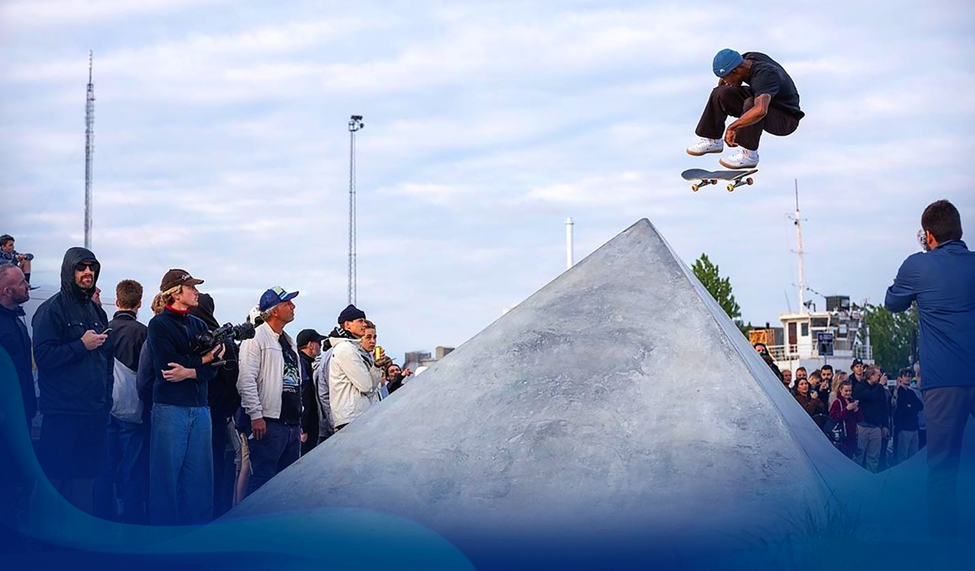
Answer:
x=205 y=342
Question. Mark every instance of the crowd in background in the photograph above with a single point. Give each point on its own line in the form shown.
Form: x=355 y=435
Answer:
x=174 y=422
x=875 y=421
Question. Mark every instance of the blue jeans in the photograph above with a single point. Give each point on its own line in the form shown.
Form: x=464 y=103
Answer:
x=180 y=466
x=278 y=449
x=127 y=469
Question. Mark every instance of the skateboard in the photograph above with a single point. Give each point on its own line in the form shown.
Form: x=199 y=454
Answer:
x=737 y=178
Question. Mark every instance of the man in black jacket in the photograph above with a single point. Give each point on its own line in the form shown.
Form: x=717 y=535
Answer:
x=180 y=449
x=128 y=436
x=872 y=398
x=904 y=406
x=224 y=400
x=309 y=344
x=75 y=362
x=14 y=290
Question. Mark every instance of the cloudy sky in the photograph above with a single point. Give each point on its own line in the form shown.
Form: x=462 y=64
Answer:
x=222 y=145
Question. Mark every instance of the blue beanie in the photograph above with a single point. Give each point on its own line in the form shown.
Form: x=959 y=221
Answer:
x=726 y=61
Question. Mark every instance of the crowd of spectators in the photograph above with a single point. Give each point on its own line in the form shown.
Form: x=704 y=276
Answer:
x=874 y=421
x=174 y=422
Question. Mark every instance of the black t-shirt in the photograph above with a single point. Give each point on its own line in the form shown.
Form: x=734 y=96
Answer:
x=290 y=384
x=768 y=77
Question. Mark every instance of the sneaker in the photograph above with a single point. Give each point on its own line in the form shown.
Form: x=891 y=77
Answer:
x=705 y=146
x=743 y=159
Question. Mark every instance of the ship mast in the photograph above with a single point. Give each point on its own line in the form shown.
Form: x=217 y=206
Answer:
x=802 y=273
x=89 y=150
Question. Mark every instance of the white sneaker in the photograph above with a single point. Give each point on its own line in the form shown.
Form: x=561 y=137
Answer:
x=705 y=146
x=743 y=159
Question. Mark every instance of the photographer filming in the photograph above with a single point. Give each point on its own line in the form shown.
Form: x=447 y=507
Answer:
x=222 y=398
x=180 y=449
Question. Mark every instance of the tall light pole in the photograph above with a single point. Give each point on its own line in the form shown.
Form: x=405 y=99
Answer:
x=355 y=123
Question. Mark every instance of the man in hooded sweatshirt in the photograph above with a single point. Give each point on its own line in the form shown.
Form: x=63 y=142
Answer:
x=352 y=386
x=75 y=363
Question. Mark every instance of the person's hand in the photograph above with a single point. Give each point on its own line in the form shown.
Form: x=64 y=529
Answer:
x=304 y=437
x=215 y=354
x=178 y=373
x=813 y=395
x=730 y=134
x=407 y=373
x=885 y=432
x=852 y=405
x=258 y=427
x=93 y=340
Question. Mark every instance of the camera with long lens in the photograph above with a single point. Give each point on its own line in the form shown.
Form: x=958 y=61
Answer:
x=205 y=342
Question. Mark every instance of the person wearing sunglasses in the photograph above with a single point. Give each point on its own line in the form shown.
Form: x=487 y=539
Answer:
x=75 y=362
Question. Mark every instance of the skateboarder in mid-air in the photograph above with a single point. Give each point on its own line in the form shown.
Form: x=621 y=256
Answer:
x=769 y=103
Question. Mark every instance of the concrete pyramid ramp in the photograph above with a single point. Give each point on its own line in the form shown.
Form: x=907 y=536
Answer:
x=617 y=406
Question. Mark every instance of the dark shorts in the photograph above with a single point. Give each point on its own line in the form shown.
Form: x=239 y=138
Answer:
x=72 y=445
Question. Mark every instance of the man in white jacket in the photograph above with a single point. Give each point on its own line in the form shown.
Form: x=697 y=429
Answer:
x=269 y=386
x=352 y=377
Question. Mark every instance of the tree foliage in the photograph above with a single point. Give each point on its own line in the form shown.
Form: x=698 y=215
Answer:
x=717 y=286
x=890 y=336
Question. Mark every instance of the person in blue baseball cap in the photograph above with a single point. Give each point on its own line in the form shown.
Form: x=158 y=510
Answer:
x=769 y=102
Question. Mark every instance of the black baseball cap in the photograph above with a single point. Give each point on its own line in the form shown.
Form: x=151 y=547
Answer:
x=306 y=336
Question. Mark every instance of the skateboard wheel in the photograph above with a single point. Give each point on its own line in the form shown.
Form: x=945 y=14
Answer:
x=694 y=187
x=714 y=181
x=731 y=187
x=749 y=180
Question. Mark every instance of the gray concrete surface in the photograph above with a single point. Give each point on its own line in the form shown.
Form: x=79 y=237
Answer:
x=617 y=403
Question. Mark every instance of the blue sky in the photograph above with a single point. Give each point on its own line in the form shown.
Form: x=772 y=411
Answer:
x=222 y=145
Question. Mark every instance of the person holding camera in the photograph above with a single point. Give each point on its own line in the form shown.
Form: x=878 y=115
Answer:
x=269 y=385
x=940 y=280
x=10 y=256
x=180 y=453
x=873 y=429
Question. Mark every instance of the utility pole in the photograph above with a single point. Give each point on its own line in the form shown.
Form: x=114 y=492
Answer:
x=89 y=150
x=355 y=123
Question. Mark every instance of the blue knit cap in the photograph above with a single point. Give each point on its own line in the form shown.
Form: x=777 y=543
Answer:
x=726 y=61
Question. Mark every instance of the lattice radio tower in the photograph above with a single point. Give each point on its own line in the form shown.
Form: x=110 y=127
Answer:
x=355 y=123
x=89 y=150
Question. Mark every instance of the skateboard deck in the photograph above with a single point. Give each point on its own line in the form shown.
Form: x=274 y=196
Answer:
x=737 y=178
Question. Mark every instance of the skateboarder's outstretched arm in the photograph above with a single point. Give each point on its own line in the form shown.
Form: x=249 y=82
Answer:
x=750 y=117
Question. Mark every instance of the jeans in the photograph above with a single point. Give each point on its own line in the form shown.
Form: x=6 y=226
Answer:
x=224 y=471
x=735 y=101
x=278 y=449
x=127 y=470
x=181 y=466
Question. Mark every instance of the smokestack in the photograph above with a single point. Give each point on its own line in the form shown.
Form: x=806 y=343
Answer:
x=568 y=243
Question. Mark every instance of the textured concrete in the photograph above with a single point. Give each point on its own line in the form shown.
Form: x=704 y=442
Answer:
x=618 y=403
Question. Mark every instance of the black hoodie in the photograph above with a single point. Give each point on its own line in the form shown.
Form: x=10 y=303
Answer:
x=72 y=379
x=222 y=395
